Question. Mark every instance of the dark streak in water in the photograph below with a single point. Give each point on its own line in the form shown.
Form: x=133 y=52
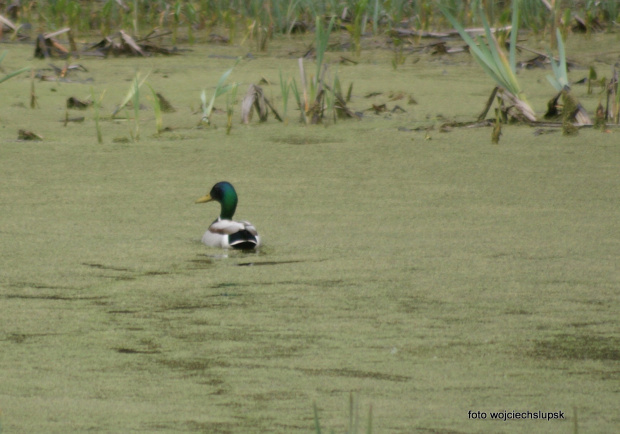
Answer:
x=354 y=373
x=49 y=297
x=132 y=351
x=578 y=347
x=118 y=277
x=251 y=264
x=38 y=286
x=105 y=267
x=201 y=263
x=18 y=338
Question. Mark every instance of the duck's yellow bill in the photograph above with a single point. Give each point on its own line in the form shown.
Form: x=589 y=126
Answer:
x=204 y=199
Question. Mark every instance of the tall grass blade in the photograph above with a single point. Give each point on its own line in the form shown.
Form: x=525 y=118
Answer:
x=96 y=107
x=352 y=429
x=203 y=99
x=136 y=84
x=302 y=77
x=481 y=52
x=322 y=40
x=317 y=425
x=500 y=61
x=297 y=96
x=369 y=426
x=513 y=34
x=489 y=55
x=493 y=61
x=14 y=73
x=562 y=53
x=375 y=18
x=358 y=25
x=616 y=116
x=231 y=99
x=159 y=124
x=285 y=87
x=349 y=92
x=136 y=108
x=33 y=95
x=220 y=89
x=559 y=80
x=135 y=17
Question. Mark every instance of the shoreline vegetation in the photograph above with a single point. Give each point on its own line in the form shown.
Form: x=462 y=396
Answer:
x=145 y=28
x=258 y=21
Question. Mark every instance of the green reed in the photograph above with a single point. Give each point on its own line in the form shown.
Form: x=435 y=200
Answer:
x=354 y=419
x=159 y=122
x=14 y=73
x=231 y=100
x=96 y=107
x=285 y=87
x=136 y=109
x=220 y=89
x=300 y=103
x=358 y=24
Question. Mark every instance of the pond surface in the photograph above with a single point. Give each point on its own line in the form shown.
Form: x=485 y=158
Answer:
x=429 y=273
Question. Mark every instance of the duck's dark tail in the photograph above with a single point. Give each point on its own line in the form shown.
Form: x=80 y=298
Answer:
x=243 y=240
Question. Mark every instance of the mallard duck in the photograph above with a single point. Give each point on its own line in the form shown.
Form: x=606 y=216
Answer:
x=224 y=231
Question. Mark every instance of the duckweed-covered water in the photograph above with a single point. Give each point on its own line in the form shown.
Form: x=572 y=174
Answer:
x=428 y=273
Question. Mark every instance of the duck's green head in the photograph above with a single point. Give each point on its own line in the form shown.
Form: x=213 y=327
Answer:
x=225 y=194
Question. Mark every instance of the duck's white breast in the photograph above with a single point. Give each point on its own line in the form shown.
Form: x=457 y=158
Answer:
x=213 y=239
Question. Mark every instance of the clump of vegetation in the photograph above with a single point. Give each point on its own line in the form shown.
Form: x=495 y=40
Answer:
x=133 y=96
x=399 y=57
x=573 y=112
x=501 y=68
x=315 y=97
x=357 y=25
